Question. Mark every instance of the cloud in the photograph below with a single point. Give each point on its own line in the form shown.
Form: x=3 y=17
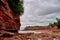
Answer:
x=40 y=12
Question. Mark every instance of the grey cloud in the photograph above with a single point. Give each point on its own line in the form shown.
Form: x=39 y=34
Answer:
x=40 y=12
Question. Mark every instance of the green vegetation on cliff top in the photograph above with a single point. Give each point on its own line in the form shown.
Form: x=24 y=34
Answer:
x=16 y=6
x=55 y=23
x=34 y=26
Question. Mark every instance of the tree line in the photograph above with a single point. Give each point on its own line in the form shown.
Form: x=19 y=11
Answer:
x=55 y=23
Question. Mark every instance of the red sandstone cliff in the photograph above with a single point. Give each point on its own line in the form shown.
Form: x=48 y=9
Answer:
x=9 y=20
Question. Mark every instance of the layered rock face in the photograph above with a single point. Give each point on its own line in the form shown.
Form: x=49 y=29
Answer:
x=9 y=20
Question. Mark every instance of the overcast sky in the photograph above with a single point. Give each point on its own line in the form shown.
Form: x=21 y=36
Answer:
x=40 y=12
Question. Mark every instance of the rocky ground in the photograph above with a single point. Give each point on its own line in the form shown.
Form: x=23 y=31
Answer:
x=30 y=36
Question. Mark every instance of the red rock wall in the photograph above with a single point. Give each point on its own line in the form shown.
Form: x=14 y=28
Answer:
x=9 y=20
